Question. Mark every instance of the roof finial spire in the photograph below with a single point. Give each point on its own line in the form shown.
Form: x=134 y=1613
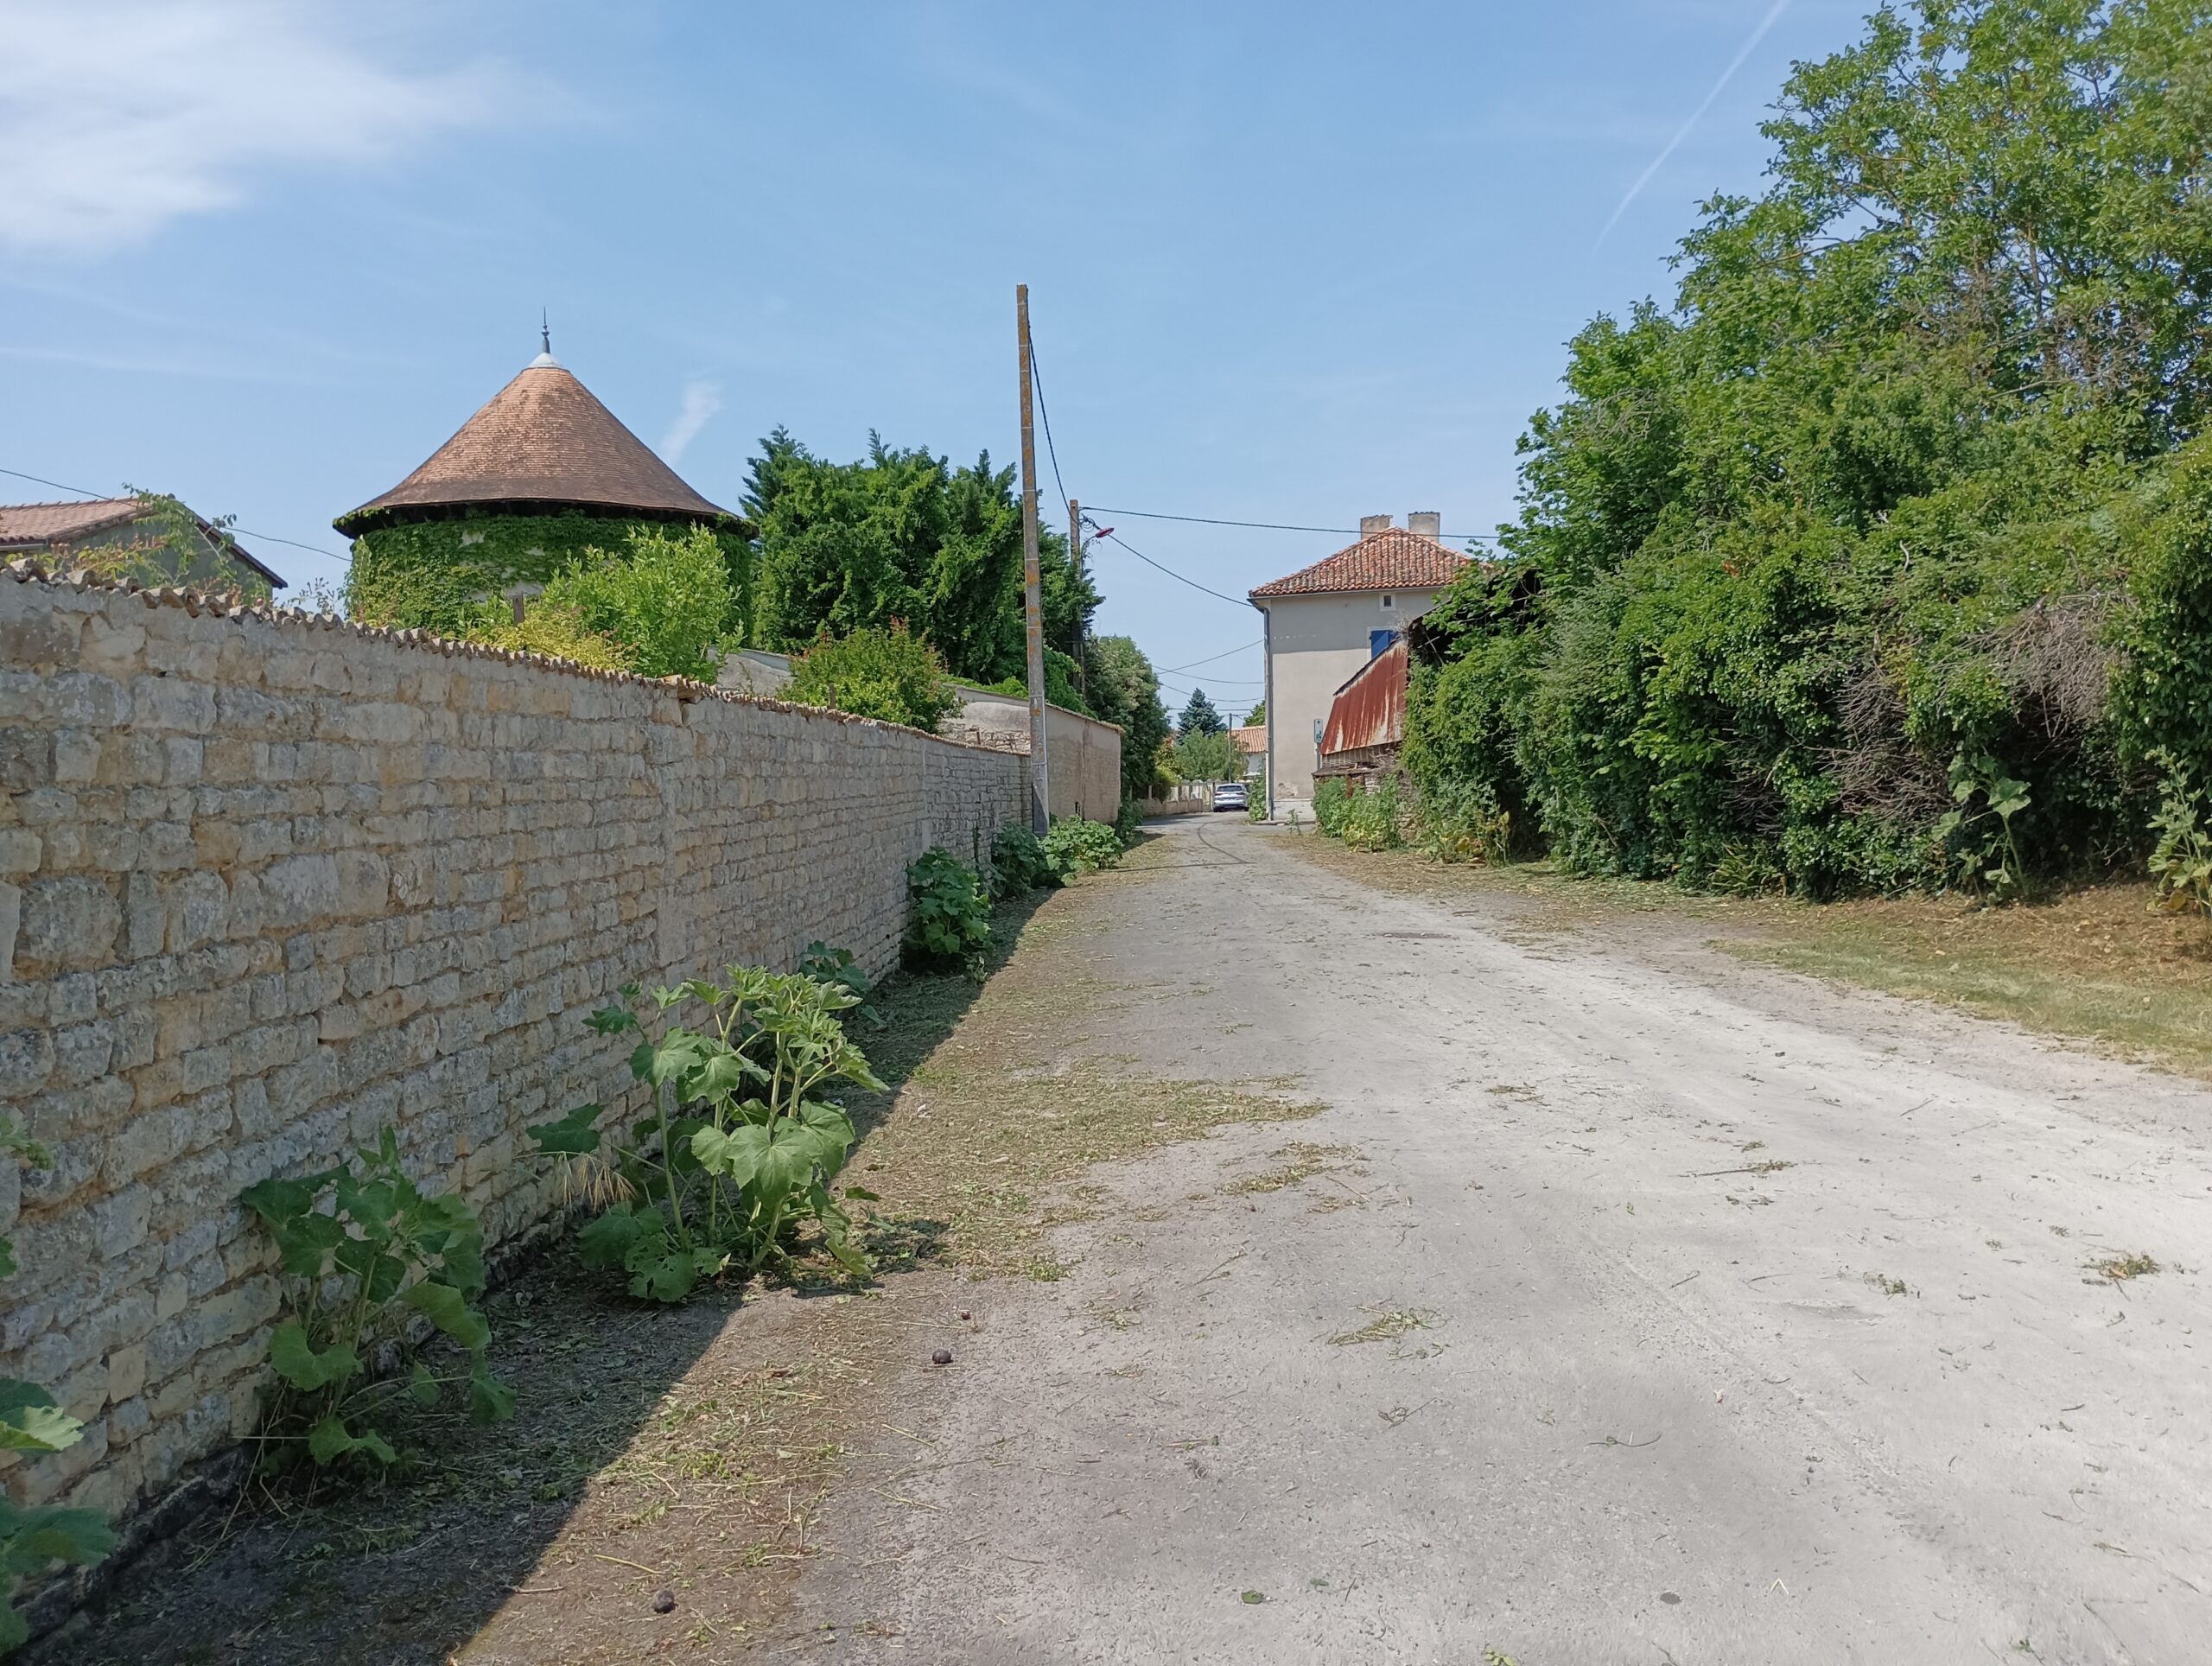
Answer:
x=545 y=332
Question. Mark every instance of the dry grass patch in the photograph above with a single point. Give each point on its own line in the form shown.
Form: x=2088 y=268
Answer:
x=2094 y=963
x=990 y=1119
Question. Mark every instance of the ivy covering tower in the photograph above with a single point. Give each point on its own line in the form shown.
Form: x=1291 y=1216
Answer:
x=541 y=473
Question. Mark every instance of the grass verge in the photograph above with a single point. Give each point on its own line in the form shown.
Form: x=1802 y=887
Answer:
x=2091 y=963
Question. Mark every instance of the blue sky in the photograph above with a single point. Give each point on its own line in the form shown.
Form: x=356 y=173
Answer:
x=1287 y=262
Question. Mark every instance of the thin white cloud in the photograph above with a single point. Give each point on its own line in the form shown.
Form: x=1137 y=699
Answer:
x=119 y=117
x=1728 y=74
x=702 y=399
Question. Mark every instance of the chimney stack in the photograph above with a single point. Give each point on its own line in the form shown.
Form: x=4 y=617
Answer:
x=1430 y=523
x=1371 y=525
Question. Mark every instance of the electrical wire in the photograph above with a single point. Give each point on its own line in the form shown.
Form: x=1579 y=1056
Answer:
x=1115 y=537
x=1037 y=379
x=1210 y=659
x=1281 y=526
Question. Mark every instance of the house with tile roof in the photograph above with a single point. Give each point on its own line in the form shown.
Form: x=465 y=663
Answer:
x=145 y=537
x=1327 y=621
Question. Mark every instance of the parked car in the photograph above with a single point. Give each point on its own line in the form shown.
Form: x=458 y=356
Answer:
x=1230 y=795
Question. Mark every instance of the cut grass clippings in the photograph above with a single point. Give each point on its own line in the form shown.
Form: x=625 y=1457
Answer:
x=1384 y=1327
x=2121 y=1268
x=2091 y=964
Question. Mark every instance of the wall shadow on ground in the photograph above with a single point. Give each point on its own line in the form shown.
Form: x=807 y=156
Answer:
x=411 y=1568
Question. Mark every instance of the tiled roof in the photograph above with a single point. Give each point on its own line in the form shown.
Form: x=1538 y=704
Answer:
x=1250 y=739
x=44 y=526
x=1391 y=560
x=543 y=439
x=24 y=525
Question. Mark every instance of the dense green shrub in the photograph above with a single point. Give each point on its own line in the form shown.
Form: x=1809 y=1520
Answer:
x=665 y=598
x=369 y=1261
x=2180 y=863
x=440 y=574
x=1019 y=861
x=949 y=915
x=838 y=966
x=1331 y=802
x=905 y=535
x=1128 y=822
x=1826 y=581
x=742 y=1144
x=1123 y=690
x=887 y=674
x=1373 y=817
x=1073 y=846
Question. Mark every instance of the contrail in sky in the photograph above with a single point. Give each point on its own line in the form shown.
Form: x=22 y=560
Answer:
x=702 y=399
x=1726 y=75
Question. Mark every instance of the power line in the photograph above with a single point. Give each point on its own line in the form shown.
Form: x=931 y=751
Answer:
x=1281 y=526
x=1210 y=659
x=38 y=480
x=1114 y=537
x=1037 y=380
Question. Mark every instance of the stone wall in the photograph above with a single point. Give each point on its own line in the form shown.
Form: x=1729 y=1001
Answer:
x=267 y=884
x=1083 y=754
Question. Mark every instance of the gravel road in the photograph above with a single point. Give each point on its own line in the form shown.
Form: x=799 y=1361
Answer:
x=1650 y=1308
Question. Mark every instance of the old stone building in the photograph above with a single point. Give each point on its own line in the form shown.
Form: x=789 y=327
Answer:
x=541 y=473
x=146 y=536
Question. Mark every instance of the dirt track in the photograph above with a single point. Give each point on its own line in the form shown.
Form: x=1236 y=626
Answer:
x=1648 y=1307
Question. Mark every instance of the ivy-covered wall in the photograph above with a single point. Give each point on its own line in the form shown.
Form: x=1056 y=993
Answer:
x=434 y=575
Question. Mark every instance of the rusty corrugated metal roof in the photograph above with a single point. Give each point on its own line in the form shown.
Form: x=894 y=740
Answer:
x=1369 y=710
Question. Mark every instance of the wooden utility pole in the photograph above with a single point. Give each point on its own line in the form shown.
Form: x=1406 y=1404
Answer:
x=1033 y=592
x=1075 y=557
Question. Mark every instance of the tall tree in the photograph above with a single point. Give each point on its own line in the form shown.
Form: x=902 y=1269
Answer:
x=1842 y=569
x=1123 y=690
x=1200 y=716
x=904 y=535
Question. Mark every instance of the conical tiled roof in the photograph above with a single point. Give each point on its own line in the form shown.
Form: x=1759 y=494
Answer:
x=541 y=442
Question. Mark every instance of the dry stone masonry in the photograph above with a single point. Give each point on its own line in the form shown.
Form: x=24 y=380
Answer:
x=268 y=883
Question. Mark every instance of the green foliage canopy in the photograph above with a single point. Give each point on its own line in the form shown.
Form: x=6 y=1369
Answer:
x=1200 y=717
x=905 y=536
x=885 y=673
x=1880 y=556
x=1123 y=690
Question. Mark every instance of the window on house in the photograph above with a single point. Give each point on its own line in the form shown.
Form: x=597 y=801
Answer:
x=1389 y=602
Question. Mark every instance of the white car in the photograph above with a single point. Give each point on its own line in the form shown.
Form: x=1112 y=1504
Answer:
x=1230 y=795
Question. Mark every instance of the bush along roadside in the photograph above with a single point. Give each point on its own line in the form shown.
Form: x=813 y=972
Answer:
x=741 y=1148
x=371 y=1264
x=1018 y=862
x=949 y=917
x=1074 y=846
x=32 y=1538
x=2181 y=865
